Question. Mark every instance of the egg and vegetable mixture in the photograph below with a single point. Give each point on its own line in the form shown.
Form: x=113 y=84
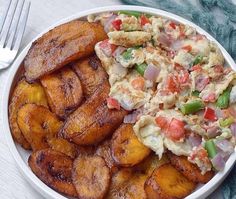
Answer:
x=173 y=81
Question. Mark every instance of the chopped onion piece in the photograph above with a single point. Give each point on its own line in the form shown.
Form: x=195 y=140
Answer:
x=213 y=131
x=233 y=129
x=151 y=73
x=108 y=23
x=131 y=118
x=225 y=146
x=194 y=140
x=218 y=162
x=119 y=50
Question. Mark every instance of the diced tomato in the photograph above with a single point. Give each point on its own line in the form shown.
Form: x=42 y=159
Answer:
x=172 y=25
x=112 y=103
x=211 y=97
x=107 y=47
x=196 y=68
x=218 y=69
x=138 y=83
x=183 y=77
x=188 y=48
x=172 y=84
x=117 y=24
x=209 y=114
x=144 y=20
x=175 y=130
x=162 y=122
x=178 y=67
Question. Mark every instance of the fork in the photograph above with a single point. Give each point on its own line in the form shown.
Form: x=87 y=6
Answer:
x=12 y=30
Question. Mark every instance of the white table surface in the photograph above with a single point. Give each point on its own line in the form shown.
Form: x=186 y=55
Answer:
x=43 y=13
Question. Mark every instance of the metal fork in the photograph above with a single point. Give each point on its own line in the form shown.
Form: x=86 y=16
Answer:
x=12 y=30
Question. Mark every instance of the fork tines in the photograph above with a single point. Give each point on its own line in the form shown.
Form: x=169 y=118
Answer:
x=13 y=24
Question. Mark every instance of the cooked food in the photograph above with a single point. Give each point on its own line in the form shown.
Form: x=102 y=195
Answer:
x=38 y=125
x=54 y=169
x=189 y=170
x=64 y=91
x=127 y=150
x=128 y=184
x=93 y=121
x=61 y=45
x=63 y=146
x=104 y=150
x=24 y=93
x=91 y=177
x=91 y=74
x=167 y=182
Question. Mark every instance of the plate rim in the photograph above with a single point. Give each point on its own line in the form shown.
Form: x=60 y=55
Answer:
x=35 y=182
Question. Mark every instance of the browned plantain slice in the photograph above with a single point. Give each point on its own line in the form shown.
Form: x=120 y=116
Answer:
x=93 y=121
x=91 y=74
x=63 y=146
x=189 y=170
x=37 y=124
x=24 y=93
x=166 y=182
x=127 y=184
x=54 y=169
x=127 y=150
x=104 y=150
x=64 y=91
x=62 y=45
x=91 y=177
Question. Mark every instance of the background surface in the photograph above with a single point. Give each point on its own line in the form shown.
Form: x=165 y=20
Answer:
x=43 y=13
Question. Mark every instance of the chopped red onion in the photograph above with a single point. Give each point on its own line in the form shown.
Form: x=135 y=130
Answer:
x=177 y=45
x=219 y=113
x=119 y=50
x=108 y=23
x=213 y=131
x=165 y=39
x=218 y=162
x=132 y=118
x=194 y=140
x=225 y=146
x=151 y=73
x=201 y=82
x=233 y=129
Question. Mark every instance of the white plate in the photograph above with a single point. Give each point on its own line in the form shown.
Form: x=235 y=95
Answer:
x=21 y=156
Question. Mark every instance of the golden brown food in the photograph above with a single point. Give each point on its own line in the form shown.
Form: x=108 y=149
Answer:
x=54 y=169
x=189 y=170
x=63 y=146
x=127 y=150
x=104 y=150
x=62 y=45
x=93 y=121
x=91 y=177
x=64 y=91
x=91 y=74
x=24 y=93
x=127 y=184
x=166 y=182
x=37 y=124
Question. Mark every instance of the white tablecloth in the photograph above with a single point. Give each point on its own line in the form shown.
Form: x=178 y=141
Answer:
x=43 y=13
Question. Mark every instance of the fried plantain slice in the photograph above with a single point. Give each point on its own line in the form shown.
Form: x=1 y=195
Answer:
x=24 y=93
x=62 y=45
x=104 y=150
x=166 y=182
x=91 y=177
x=189 y=170
x=127 y=183
x=91 y=74
x=37 y=124
x=127 y=150
x=54 y=169
x=93 y=121
x=63 y=146
x=64 y=91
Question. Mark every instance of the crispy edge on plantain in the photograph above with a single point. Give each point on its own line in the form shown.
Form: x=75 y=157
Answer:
x=166 y=182
x=24 y=93
x=91 y=177
x=54 y=169
x=63 y=44
x=92 y=122
x=91 y=74
x=64 y=91
x=38 y=124
x=188 y=169
x=127 y=150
